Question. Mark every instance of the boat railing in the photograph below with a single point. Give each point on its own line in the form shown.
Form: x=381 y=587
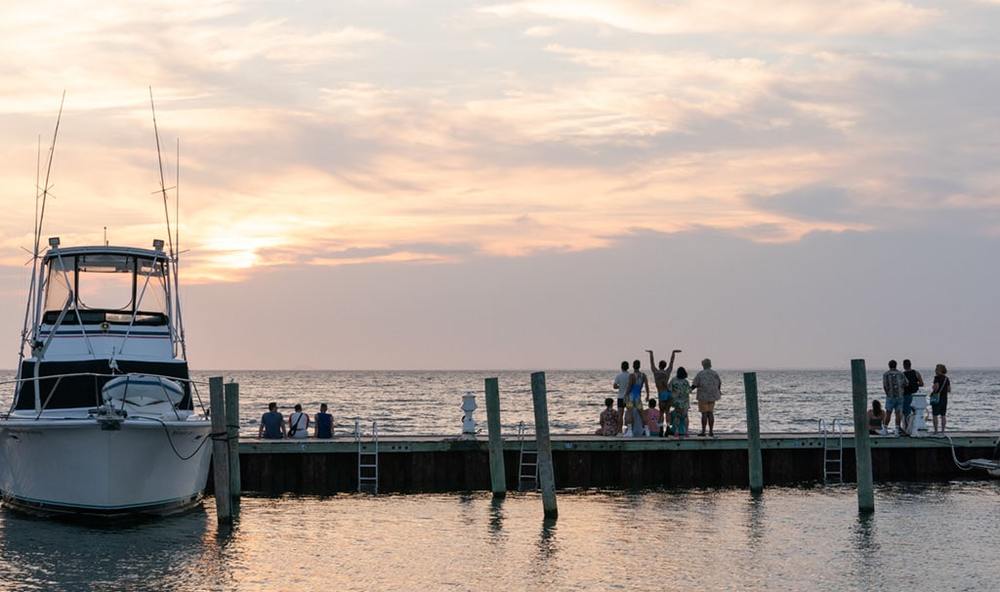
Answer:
x=58 y=378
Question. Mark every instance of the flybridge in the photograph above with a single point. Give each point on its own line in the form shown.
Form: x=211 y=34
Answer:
x=105 y=302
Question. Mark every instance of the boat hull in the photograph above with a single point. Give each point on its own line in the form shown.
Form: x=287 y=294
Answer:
x=92 y=466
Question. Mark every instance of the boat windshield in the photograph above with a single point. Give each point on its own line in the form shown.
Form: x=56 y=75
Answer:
x=108 y=288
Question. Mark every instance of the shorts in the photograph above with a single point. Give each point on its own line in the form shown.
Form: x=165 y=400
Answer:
x=706 y=406
x=893 y=403
x=663 y=395
x=637 y=399
x=941 y=407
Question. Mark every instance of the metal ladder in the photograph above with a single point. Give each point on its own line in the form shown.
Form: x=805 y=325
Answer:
x=833 y=451
x=527 y=470
x=367 y=460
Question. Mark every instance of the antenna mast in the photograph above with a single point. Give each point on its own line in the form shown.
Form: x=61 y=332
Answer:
x=33 y=296
x=177 y=245
x=178 y=330
x=41 y=193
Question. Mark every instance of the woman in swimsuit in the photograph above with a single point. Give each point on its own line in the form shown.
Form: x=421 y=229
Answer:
x=876 y=418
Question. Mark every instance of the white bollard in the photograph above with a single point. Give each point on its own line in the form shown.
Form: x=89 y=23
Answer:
x=917 y=422
x=468 y=421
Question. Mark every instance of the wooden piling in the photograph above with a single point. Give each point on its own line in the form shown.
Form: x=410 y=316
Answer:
x=862 y=442
x=498 y=474
x=755 y=461
x=232 y=395
x=546 y=473
x=220 y=451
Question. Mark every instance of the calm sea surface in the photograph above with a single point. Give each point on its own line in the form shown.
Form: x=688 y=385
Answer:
x=429 y=402
x=419 y=402
x=935 y=537
x=922 y=537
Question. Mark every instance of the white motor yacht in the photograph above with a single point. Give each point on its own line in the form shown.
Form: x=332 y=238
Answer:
x=103 y=418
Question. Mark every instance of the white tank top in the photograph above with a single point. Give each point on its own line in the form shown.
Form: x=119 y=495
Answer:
x=299 y=421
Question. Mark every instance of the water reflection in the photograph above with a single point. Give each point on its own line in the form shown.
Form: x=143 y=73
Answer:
x=755 y=522
x=789 y=539
x=547 y=540
x=496 y=519
x=41 y=554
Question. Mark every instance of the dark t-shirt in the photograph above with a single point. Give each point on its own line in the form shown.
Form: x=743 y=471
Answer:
x=940 y=386
x=911 y=382
x=324 y=425
x=272 y=425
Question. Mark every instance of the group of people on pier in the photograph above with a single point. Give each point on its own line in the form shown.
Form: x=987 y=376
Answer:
x=900 y=387
x=667 y=414
x=273 y=427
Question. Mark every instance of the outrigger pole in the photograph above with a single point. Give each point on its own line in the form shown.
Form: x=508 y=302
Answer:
x=41 y=193
x=177 y=245
x=178 y=326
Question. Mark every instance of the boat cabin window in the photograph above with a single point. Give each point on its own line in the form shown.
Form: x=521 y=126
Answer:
x=108 y=288
x=104 y=282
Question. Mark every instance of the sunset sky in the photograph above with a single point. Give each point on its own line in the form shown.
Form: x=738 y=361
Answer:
x=527 y=184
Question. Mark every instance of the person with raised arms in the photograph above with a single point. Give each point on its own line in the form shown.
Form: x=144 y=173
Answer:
x=661 y=378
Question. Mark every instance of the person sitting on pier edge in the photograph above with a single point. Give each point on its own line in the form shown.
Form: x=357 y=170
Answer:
x=939 y=396
x=876 y=418
x=709 y=386
x=272 y=424
x=913 y=383
x=661 y=378
x=324 y=423
x=298 y=423
x=621 y=385
x=680 y=400
x=608 y=419
x=894 y=384
x=637 y=380
x=651 y=419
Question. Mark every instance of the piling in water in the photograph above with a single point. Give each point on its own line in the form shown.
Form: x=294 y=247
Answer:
x=220 y=451
x=232 y=394
x=862 y=442
x=498 y=474
x=755 y=462
x=546 y=473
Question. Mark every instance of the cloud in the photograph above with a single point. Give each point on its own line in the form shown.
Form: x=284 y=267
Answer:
x=360 y=137
x=836 y=17
x=809 y=203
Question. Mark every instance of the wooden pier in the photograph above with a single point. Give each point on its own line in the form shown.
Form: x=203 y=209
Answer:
x=440 y=463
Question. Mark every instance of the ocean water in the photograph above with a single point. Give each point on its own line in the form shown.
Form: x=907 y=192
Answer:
x=428 y=402
x=922 y=537
x=419 y=402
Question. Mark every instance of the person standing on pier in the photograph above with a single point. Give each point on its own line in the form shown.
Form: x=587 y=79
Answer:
x=661 y=377
x=913 y=383
x=709 y=386
x=680 y=400
x=894 y=384
x=298 y=423
x=621 y=384
x=939 y=396
x=324 y=423
x=272 y=424
x=637 y=380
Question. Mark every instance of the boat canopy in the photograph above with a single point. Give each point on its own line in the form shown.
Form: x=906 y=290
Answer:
x=115 y=285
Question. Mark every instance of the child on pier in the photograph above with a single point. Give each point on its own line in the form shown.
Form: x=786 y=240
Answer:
x=609 y=420
x=651 y=419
